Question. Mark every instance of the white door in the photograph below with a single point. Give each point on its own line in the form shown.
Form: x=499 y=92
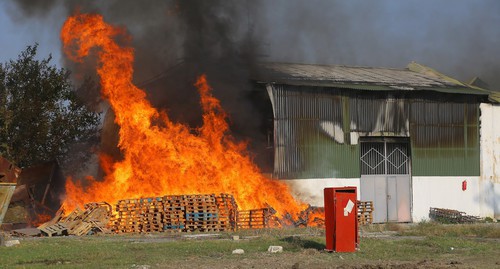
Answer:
x=386 y=179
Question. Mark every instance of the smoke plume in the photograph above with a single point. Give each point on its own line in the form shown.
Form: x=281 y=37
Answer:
x=459 y=38
x=177 y=40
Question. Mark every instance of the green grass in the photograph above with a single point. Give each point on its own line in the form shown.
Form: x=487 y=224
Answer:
x=301 y=246
x=109 y=252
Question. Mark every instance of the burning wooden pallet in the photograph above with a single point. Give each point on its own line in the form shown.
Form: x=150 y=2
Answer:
x=170 y=213
x=139 y=215
x=176 y=213
x=202 y=213
x=228 y=210
x=365 y=212
x=315 y=216
x=94 y=218
x=255 y=219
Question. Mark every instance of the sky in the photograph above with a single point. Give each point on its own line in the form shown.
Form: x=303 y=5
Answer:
x=460 y=38
x=18 y=32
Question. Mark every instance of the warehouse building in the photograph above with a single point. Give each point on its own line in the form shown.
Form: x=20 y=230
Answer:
x=409 y=139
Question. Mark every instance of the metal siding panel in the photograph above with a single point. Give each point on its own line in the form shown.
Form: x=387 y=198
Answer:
x=442 y=143
x=304 y=149
x=310 y=142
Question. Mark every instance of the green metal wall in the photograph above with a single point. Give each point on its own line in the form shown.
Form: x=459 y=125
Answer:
x=313 y=129
x=444 y=138
x=325 y=159
x=310 y=135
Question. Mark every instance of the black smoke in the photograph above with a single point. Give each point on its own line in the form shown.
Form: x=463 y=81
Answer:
x=177 y=40
x=459 y=38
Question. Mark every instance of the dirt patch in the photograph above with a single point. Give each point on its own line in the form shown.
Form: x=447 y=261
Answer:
x=305 y=261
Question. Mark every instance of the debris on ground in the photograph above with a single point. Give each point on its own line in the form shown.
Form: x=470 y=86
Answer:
x=275 y=249
x=444 y=215
x=5 y=241
x=238 y=251
x=10 y=243
x=24 y=232
x=8 y=181
x=36 y=196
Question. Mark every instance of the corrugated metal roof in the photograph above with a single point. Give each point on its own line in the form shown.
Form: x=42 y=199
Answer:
x=414 y=77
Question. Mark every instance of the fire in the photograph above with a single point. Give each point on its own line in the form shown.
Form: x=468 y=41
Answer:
x=161 y=156
x=39 y=219
x=316 y=217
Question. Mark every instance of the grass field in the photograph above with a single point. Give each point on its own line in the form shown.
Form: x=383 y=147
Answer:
x=425 y=245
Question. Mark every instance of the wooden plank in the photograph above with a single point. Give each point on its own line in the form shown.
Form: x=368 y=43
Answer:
x=55 y=229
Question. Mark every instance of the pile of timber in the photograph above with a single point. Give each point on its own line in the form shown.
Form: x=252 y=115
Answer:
x=315 y=216
x=182 y=213
x=365 y=212
x=93 y=219
x=451 y=216
x=145 y=215
x=176 y=213
x=256 y=218
x=228 y=210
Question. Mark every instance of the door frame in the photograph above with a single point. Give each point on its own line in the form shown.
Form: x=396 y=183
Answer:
x=374 y=183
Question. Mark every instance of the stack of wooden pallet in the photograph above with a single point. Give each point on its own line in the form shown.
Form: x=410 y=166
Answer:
x=170 y=213
x=365 y=212
x=187 y=213
x=174 y=213
x=451 y=216
x=202 y=213
x=94 y=218
x=254 y=219
x=228 y=210
x=139 y=215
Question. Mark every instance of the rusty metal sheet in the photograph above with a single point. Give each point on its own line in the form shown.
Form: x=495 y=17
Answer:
x=415 y=77
x=8 y=171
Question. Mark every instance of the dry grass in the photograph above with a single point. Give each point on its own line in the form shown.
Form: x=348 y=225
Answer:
x=385 y=227
x=480 y=230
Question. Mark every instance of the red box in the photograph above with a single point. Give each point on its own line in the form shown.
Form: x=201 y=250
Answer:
x=341 y=219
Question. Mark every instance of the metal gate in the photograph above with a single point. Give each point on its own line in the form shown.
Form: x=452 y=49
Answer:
x=386 y=178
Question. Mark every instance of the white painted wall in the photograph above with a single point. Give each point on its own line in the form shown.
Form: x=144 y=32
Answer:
x=311 y=190
x=445 y=192
x=490 y=160
x=427 y=192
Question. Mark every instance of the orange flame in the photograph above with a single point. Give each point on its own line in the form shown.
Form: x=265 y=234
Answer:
x=160 y=156
x=39 y=219
x=316 y=218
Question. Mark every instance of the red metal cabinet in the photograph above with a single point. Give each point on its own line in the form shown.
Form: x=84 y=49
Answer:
x=341 y=223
